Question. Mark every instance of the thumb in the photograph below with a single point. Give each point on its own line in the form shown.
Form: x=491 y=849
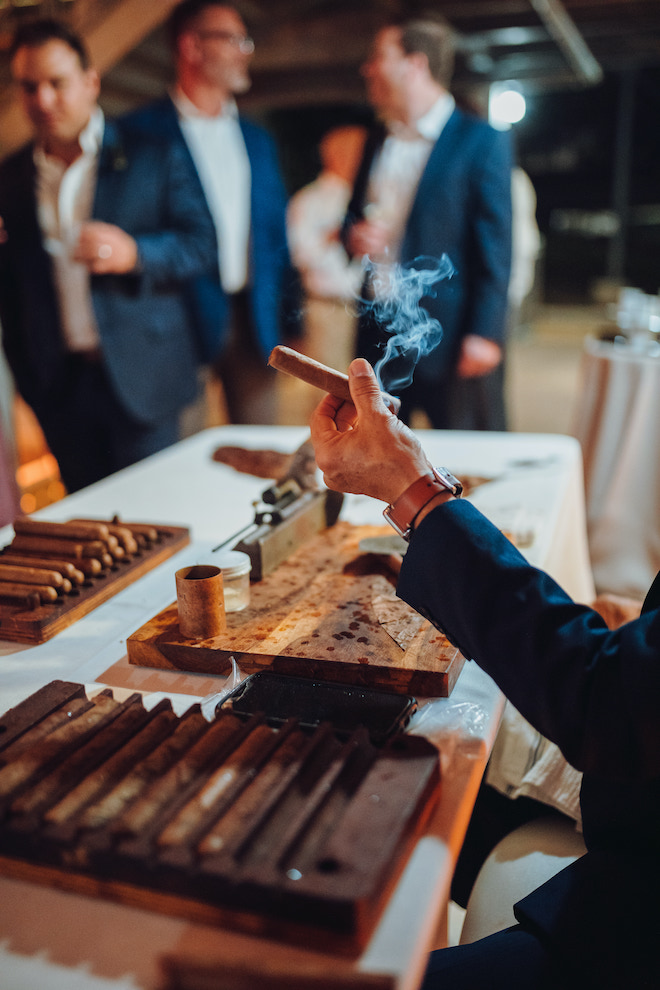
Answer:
x=365 y=390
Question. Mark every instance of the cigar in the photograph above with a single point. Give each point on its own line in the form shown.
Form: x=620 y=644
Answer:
x=23 y=595
x=14 y=589
x=122 y=534
x=94 y=537
x=66 y=568
x=42 y=546
x=309 y=370
x=149 y=533
x=89 y=566
x=31 y=575
x=80 y=531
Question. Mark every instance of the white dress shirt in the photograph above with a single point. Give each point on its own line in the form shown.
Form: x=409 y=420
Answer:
x=65 y=195
x=398 y=168
x=218 y=150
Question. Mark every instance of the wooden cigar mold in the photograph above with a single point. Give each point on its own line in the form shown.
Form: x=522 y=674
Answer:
x=284 y=831
x=52 y=574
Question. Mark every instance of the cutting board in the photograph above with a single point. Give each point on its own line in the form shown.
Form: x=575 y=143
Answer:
x=329 y=612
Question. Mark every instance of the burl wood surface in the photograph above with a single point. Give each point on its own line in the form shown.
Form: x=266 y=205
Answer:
x=329 y=612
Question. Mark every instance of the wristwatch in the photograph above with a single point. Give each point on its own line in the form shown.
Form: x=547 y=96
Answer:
x=402 y=514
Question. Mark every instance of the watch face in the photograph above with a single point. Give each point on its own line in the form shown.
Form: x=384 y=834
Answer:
x=449 y=481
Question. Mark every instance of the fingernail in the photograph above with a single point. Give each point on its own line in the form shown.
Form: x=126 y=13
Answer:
x=360 y=367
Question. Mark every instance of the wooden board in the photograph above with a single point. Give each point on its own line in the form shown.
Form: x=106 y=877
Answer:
x=21 y=624
x=289 y=832
x=329 y=612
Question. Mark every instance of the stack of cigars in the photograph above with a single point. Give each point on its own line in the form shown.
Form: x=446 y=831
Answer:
x=47 y=560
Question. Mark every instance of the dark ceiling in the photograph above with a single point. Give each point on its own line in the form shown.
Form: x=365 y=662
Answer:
x=309 y=51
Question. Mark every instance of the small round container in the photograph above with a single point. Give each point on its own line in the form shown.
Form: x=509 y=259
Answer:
x=235 y=567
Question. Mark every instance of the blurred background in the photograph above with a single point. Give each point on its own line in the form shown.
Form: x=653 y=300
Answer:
x=586 y=73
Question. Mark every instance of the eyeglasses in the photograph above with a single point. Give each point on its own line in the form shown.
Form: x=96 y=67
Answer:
x=244 y=44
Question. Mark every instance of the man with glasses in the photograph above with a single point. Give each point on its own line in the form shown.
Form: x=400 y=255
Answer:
x=250 y=307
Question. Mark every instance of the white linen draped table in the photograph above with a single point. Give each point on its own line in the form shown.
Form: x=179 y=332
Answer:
x=617 y=422
x=53 y=939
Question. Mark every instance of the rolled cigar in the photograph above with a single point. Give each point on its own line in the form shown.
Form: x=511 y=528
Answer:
x=75 y=530
x=150 y=533
x=43 y=546
x=13 y=589
x=83 y=565
x=24 y=595
x=126 y=539
x=122 y=534
x=67 y=569
x=314 y=373
x=89 y=566
x=31 y=575
x=308 y=370
x=94 y=548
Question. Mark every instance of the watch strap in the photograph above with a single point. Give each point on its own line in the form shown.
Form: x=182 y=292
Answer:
x=401 y=515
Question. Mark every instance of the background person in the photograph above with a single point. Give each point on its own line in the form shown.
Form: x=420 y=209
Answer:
x=592 y=690
x=330 y=280
x=102 y=229
x=435 y=180
x=251 y=301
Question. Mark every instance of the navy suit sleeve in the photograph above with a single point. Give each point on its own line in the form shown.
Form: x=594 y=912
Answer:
x=593 y=691
x=185 y=245
x=182 y=243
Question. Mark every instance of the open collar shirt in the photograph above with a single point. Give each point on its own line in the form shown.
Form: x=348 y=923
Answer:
x=398 y=168
x=65 y=195
x=218 y=150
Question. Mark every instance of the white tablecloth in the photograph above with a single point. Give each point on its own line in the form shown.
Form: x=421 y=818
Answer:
x=49 y=939
x=617 y=422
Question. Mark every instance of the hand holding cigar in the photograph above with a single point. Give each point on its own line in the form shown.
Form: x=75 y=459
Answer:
x=309 y=370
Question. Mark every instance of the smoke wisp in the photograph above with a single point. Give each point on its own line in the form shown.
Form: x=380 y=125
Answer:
x=398 y=292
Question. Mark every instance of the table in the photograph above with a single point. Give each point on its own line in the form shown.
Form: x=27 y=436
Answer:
x=617 y=422
x=52 y=939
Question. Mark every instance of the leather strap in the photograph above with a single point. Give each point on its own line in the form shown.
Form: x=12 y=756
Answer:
x=402 y=514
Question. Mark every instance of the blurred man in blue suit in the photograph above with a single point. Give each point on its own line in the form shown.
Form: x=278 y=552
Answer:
x=253 y=302
x=102 y=228
x=434 y=181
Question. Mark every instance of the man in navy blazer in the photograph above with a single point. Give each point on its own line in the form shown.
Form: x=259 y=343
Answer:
x=251 y=302
x=434 y=181
x=102 y=228
x=594 y=691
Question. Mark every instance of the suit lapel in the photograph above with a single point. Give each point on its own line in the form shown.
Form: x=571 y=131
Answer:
x=652 y=600
x=112 y=163
x=443 y=148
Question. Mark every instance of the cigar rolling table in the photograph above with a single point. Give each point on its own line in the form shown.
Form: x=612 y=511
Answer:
x=55 y=939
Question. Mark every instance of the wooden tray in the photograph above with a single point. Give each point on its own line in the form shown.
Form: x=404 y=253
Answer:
x=36 y=625
x=282 y=831
x=329 y=612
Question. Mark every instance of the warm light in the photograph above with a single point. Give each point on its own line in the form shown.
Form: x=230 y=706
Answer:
x=506 y=105
x=28 y=503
